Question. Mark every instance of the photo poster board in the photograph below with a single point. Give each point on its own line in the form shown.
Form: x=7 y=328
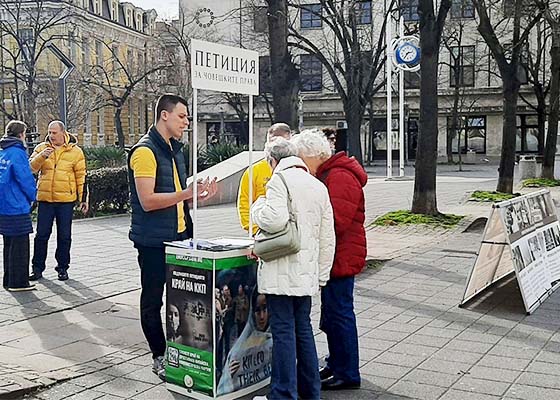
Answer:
x=219 y=344
x=522 y=235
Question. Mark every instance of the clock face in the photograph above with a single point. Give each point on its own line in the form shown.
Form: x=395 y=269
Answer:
x=408 y=53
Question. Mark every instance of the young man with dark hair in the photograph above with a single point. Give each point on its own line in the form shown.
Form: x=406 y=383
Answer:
x=160 y=213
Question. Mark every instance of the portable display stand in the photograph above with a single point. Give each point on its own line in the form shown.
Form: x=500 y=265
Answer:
x=219 y=344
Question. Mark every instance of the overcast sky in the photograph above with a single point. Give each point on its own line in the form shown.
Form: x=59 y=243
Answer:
x=165 y=8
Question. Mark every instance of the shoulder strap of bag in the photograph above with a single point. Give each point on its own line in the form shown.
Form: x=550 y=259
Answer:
x=290 y=208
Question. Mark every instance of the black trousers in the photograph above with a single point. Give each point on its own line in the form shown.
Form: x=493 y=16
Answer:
x=152 y=276
x=16 y=261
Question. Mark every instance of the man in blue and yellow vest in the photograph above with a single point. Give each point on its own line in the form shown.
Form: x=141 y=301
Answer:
x=160 y=213
x=261 y=174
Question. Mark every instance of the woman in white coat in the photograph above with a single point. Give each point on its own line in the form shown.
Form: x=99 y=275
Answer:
x=290 y=282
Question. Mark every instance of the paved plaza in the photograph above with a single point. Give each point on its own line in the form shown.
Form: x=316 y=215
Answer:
x=81 y=339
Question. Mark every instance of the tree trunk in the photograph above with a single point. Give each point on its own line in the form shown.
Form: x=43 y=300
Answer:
x=354 y=114
x=554 y=114
x=507 y=160
x=284 y=74
x=118 y=127
x=424 y=200
x=541 y=120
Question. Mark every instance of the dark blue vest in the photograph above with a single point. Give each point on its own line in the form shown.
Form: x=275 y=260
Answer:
x=153 y=228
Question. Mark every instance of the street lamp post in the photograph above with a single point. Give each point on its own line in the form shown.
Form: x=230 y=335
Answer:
x=70 y=66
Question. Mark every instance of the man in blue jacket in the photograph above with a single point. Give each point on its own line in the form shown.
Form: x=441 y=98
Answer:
x=17 y=192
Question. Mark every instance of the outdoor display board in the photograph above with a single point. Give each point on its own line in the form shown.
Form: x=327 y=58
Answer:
x=522 y=235
x=219 y=343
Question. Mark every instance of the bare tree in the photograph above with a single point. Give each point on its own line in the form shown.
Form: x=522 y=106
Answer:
x=353 y=53
x=119 y=78
x=552 y=16
x=30 y=25
x=507 y=54
x=431 y=29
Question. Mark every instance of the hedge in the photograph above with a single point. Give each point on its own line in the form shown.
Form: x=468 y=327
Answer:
x=108 y=191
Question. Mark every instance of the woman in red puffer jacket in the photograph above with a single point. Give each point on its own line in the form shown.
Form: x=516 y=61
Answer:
x=344 y=178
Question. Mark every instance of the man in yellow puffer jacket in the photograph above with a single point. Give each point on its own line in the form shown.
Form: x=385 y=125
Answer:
x=61 y=166
x=261 y=175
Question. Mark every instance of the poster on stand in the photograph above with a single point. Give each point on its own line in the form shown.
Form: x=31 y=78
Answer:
x=522 y=236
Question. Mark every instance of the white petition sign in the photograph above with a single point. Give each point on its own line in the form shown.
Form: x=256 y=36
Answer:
x=223 y=68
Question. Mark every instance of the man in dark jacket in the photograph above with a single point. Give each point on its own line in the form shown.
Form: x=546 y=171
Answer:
x=160 y=213
x=344 y=178
x=17 y=192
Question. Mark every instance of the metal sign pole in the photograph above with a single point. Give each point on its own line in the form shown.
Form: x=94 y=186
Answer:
x=250 y=163
x=389 y=67
x=401 y=107
x=195 y=166
x=62 y=80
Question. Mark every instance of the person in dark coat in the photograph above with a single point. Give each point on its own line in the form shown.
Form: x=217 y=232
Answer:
x=344 y=178
x=17 y=193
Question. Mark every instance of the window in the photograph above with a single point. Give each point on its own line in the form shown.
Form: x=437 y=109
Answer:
x=462 y=9
x=311 y=73
x=99 y=53
x=462 y=63
x=527 y=140
x=25 y=37
x=310 y=16
x=409 y=10
x=265 y=82
x=470 y=133
x=260 y=19
x=362 y=10
x=411 y=80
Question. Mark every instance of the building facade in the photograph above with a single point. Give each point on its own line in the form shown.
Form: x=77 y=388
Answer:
x=474 y=91
x=110 y=42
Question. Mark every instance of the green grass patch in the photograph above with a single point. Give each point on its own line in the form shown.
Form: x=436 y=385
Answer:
x=405 y=217
x=541 y=182
x=494 y=197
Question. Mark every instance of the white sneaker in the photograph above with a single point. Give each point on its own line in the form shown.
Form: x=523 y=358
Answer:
x=260 y=398
x=158 y=367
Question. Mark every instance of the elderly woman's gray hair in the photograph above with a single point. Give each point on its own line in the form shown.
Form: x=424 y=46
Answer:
x=280 y=148
x=312 y=143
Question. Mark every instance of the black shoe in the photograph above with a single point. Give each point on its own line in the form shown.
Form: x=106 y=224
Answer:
x=325 y=373
x=338 y=384
x=63 y=276
x=35 y=276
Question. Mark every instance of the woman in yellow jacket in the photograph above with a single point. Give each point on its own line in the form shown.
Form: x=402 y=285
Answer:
x=61 y=166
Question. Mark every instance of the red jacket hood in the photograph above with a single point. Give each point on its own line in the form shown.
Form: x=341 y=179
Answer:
x=341 y=160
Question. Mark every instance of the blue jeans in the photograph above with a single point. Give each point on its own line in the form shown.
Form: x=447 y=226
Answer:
x=295 y=368
x=338 y=321
x=47 y=213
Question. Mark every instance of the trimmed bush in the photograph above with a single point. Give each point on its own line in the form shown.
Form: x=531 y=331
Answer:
x=405 y=217
x=108 y=191
x=215 y=154
x=494 y=197
x=541 y=182
x=101 y=157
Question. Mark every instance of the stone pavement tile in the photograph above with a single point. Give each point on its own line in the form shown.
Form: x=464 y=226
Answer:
x=122 y=369
x=42 y=362
x=483 y=386
x=361 y=394
x=468 y=346
x=94 y=379
x=493 y=374
x=78 y=352
x=449 y=367
x=417 y=390
x=431 y=377
x=538 y=379
x=454 y=394
x=39 y=343
x=158 y=392
x=516 y=352
x=399 y=327
x=414 y=349
x=144 y=374
x=548 y=356
x=61 y=391
x=516 y=364
x=474 y=336
x=86 y=395
x=442 y=333
x=385 y=370
x=375 y=344
x=391 y=396
x=544 y=368
x=405 y=360
x=382 y=334
x=123 y=388
x=366 y=355
x=425 y=340
x=526 y=392
x=457 y=355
